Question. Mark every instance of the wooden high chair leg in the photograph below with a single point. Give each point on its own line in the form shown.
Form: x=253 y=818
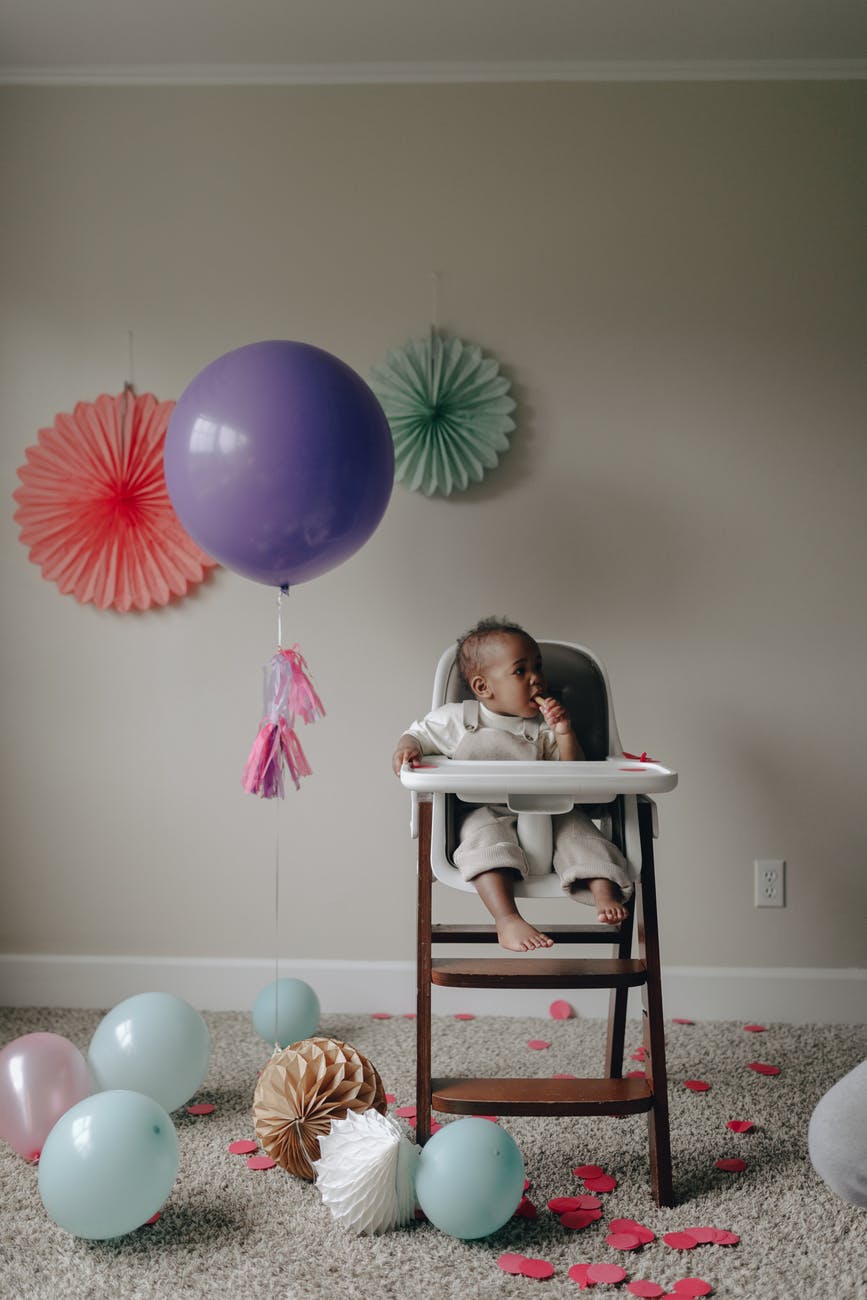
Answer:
x=619 y=997
x=617 y=1006
x=658 y=1134
x=423 y=975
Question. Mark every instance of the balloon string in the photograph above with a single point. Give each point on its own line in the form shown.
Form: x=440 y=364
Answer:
x=282 y=591
x=276 y=926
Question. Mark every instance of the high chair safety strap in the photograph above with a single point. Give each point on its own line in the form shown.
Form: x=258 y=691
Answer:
x=471 y=715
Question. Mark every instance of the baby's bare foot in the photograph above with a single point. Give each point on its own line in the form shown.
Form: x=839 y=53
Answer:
x=607 y=899
x=518 y=935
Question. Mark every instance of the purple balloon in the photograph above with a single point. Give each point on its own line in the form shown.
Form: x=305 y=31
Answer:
x=41 y=1077
x=279 y=461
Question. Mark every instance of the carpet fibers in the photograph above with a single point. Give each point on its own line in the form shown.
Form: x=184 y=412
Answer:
x=230 y=1231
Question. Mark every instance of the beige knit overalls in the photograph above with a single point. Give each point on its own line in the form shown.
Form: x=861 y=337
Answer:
x=488 y=836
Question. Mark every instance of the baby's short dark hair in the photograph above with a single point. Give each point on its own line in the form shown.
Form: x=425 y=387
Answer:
x=471 y=646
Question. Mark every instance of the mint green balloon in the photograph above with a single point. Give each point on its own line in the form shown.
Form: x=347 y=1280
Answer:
x=297 y=1012
x=154 y=1043
x=470 y=1178
x=108 y=1164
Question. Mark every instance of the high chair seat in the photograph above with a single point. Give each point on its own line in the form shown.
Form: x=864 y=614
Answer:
x=614 y=790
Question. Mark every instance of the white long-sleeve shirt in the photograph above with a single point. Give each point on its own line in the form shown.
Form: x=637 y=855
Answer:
x=442 y=730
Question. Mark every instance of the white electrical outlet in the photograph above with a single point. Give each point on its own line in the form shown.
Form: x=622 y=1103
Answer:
x=770 y=882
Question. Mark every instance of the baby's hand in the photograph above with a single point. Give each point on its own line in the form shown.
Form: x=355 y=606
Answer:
x=554 y=714
x=408 y=751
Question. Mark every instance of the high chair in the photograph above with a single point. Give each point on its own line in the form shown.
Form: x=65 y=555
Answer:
x=619 y=789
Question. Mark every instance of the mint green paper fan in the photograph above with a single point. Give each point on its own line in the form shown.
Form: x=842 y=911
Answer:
x=449 y=411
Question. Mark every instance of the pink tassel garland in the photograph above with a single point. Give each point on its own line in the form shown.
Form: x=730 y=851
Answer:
x=289 y=693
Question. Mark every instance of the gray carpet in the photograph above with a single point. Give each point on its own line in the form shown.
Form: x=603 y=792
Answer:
x=229 y=1231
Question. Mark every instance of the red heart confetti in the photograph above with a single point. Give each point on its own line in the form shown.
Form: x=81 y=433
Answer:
x=464 y=1015
x=604 y=1183
x=434 y=1127
x=639 y=1230
x=754 y=1029
x=649 y=1290
x=578 y=1273
x=761 y=1068
x=605 y=1273
x=408 y=1015
x=639 y=1054
x=704 y=1236
x=564 y=1076
x=566 y=1204
x=152 y=1219
x=526 y=1209
x=242 y=1148
x=561 y=1010
x=731 y=1166
x=679 y=1020
x=579 y=1219
x=715 y=1236
x=527 y=1184
x=693 y=1286
x=260 y=1162
x=680 y=1240
x=696 y=1085
x=740 y=1125
x=381 y=1015
x=623 y=1241
x=588 y=1171
x=511 y=1263
x=201 y=1108
x=539 y=1268
x=390 y=1098
x=538 y=1044
x=406 y=1112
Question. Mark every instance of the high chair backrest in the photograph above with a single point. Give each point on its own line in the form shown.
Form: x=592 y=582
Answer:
x=574 y=675
x=578 y=679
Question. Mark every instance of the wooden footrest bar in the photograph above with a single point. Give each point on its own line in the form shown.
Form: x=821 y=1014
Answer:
x=542 y=1096
x=542 y=972
x=561 y=933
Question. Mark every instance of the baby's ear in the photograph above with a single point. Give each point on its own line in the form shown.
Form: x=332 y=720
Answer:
x=479 y=687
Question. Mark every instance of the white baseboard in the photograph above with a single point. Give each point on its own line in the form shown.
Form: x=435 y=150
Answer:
x=790 y=995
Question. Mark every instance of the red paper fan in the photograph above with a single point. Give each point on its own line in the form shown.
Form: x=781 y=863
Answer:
x=94 y=510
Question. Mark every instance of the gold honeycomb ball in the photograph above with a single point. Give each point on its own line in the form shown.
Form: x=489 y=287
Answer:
x=305 y=1087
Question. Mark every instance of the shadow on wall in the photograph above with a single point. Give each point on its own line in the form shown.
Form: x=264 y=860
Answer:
x=781 y=768
x=604 y=541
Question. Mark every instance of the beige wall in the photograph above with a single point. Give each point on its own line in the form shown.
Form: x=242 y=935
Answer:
x=672 y=276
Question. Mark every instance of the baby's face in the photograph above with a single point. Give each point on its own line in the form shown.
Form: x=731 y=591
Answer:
x=513 y=675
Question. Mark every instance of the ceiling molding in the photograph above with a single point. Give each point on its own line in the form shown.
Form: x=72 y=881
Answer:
x=342 y=74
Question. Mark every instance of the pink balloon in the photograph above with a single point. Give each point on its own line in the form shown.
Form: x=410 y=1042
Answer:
x=41 y=1077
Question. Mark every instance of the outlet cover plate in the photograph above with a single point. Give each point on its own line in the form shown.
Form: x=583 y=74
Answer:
x=770 y=882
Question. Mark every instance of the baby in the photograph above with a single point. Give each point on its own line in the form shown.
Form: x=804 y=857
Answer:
x=515 y=719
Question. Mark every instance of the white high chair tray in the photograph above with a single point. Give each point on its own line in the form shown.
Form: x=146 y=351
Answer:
x=507 y=782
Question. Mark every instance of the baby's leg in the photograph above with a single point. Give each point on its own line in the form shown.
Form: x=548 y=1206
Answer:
x=490 y=857
x=496 y=889
x=610 y=909
x=591 y=868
